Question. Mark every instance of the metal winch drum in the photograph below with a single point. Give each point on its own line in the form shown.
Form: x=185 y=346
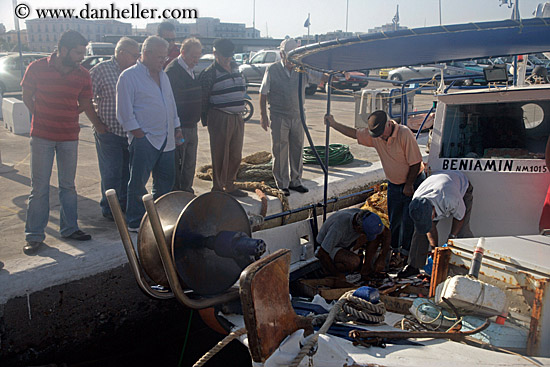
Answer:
x=209 y=238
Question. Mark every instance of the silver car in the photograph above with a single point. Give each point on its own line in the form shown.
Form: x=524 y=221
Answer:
x=405 y=73
x=254 y=70
x=10 y=71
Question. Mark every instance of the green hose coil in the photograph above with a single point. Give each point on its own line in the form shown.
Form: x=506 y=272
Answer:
x=338 y=154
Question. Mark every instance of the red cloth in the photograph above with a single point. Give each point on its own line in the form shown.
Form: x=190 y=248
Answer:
x=55 y=115
x=545 y=216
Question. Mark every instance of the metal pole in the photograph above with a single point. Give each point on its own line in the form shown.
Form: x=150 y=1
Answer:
x=347 y=12
x=304 y=125
x=16 y=21
x=440 y=12
x=254 y=19
x=309 y=22
x=327 y=147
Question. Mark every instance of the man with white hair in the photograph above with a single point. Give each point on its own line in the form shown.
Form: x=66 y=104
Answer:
x=280 y=88
x=147 y=111
x=111 y=141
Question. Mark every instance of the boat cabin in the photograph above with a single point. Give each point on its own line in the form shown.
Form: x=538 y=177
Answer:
x=497 y=138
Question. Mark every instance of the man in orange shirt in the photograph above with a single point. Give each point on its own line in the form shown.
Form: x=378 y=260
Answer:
x=402 y=163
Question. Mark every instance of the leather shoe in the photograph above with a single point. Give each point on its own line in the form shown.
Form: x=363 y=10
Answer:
x=79 y=236
x=286 y=192
x=302 y=189
x=32 y=246
x=238 y=193
x=408 y=271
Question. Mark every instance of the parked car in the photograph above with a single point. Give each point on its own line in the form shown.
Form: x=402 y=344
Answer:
x=100 y=48
x=241 y=58
x=91 y=61
x=383 y=73
x=254 y=70
x=203 y=63
x=339 y=82
x=429 y=71
x=10 y=71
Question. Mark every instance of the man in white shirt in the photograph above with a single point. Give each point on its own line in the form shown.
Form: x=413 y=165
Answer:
x=147 y=111
x=442 y=195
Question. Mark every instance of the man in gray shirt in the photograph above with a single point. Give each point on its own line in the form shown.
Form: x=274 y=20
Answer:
x=280 y=88
x=339 y=232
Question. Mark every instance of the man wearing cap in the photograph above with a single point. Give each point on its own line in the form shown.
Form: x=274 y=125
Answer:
x=441 y=195
x=402 y=163
x=339 y=232
x=280 y=88
x=223 y=91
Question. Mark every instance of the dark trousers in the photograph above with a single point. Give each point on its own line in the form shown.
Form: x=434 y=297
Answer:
x=401 y=224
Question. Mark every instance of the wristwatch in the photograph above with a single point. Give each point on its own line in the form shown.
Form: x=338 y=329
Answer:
x=452 y=236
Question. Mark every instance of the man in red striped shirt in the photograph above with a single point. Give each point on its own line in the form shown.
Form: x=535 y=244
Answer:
x=56 y=90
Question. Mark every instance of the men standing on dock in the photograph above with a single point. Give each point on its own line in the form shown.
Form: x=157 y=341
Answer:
x=223 y=90
x=55 y=90
x=187 y=93
x=441 y=195
x=339 y=233
x=402 y=163
x=146 y=109
x=112 y=142
x=280 y=88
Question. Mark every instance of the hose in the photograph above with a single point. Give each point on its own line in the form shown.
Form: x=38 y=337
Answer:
x=338 y=154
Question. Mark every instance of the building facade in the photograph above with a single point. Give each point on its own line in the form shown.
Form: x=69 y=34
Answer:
x=208 y=28
x=43 y=34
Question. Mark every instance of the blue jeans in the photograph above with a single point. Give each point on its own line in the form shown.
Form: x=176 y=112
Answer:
x=144 y=160
x=112 y=157
x=401 y=224
x=38 y=211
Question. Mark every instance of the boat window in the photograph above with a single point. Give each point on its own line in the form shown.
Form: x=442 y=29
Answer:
x=496 y=130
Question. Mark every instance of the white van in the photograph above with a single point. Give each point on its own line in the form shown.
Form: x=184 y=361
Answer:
x=100 y=48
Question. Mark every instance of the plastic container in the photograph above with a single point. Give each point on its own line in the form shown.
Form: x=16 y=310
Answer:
x=368 y=294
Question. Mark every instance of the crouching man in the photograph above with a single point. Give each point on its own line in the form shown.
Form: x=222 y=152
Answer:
x=441 y=195
x=338 y=235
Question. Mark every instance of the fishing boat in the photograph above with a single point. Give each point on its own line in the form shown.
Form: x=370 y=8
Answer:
x=239 y=271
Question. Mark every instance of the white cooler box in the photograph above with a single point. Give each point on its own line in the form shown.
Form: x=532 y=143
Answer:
x=471 y=296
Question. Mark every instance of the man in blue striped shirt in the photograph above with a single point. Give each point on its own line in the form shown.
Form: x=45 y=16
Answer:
x=223 y=91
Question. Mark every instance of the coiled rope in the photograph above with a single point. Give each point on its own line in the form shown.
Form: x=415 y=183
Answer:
x=347 y=308
x=338 y=154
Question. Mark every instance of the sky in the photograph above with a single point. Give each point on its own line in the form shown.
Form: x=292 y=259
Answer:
x=278 y=19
